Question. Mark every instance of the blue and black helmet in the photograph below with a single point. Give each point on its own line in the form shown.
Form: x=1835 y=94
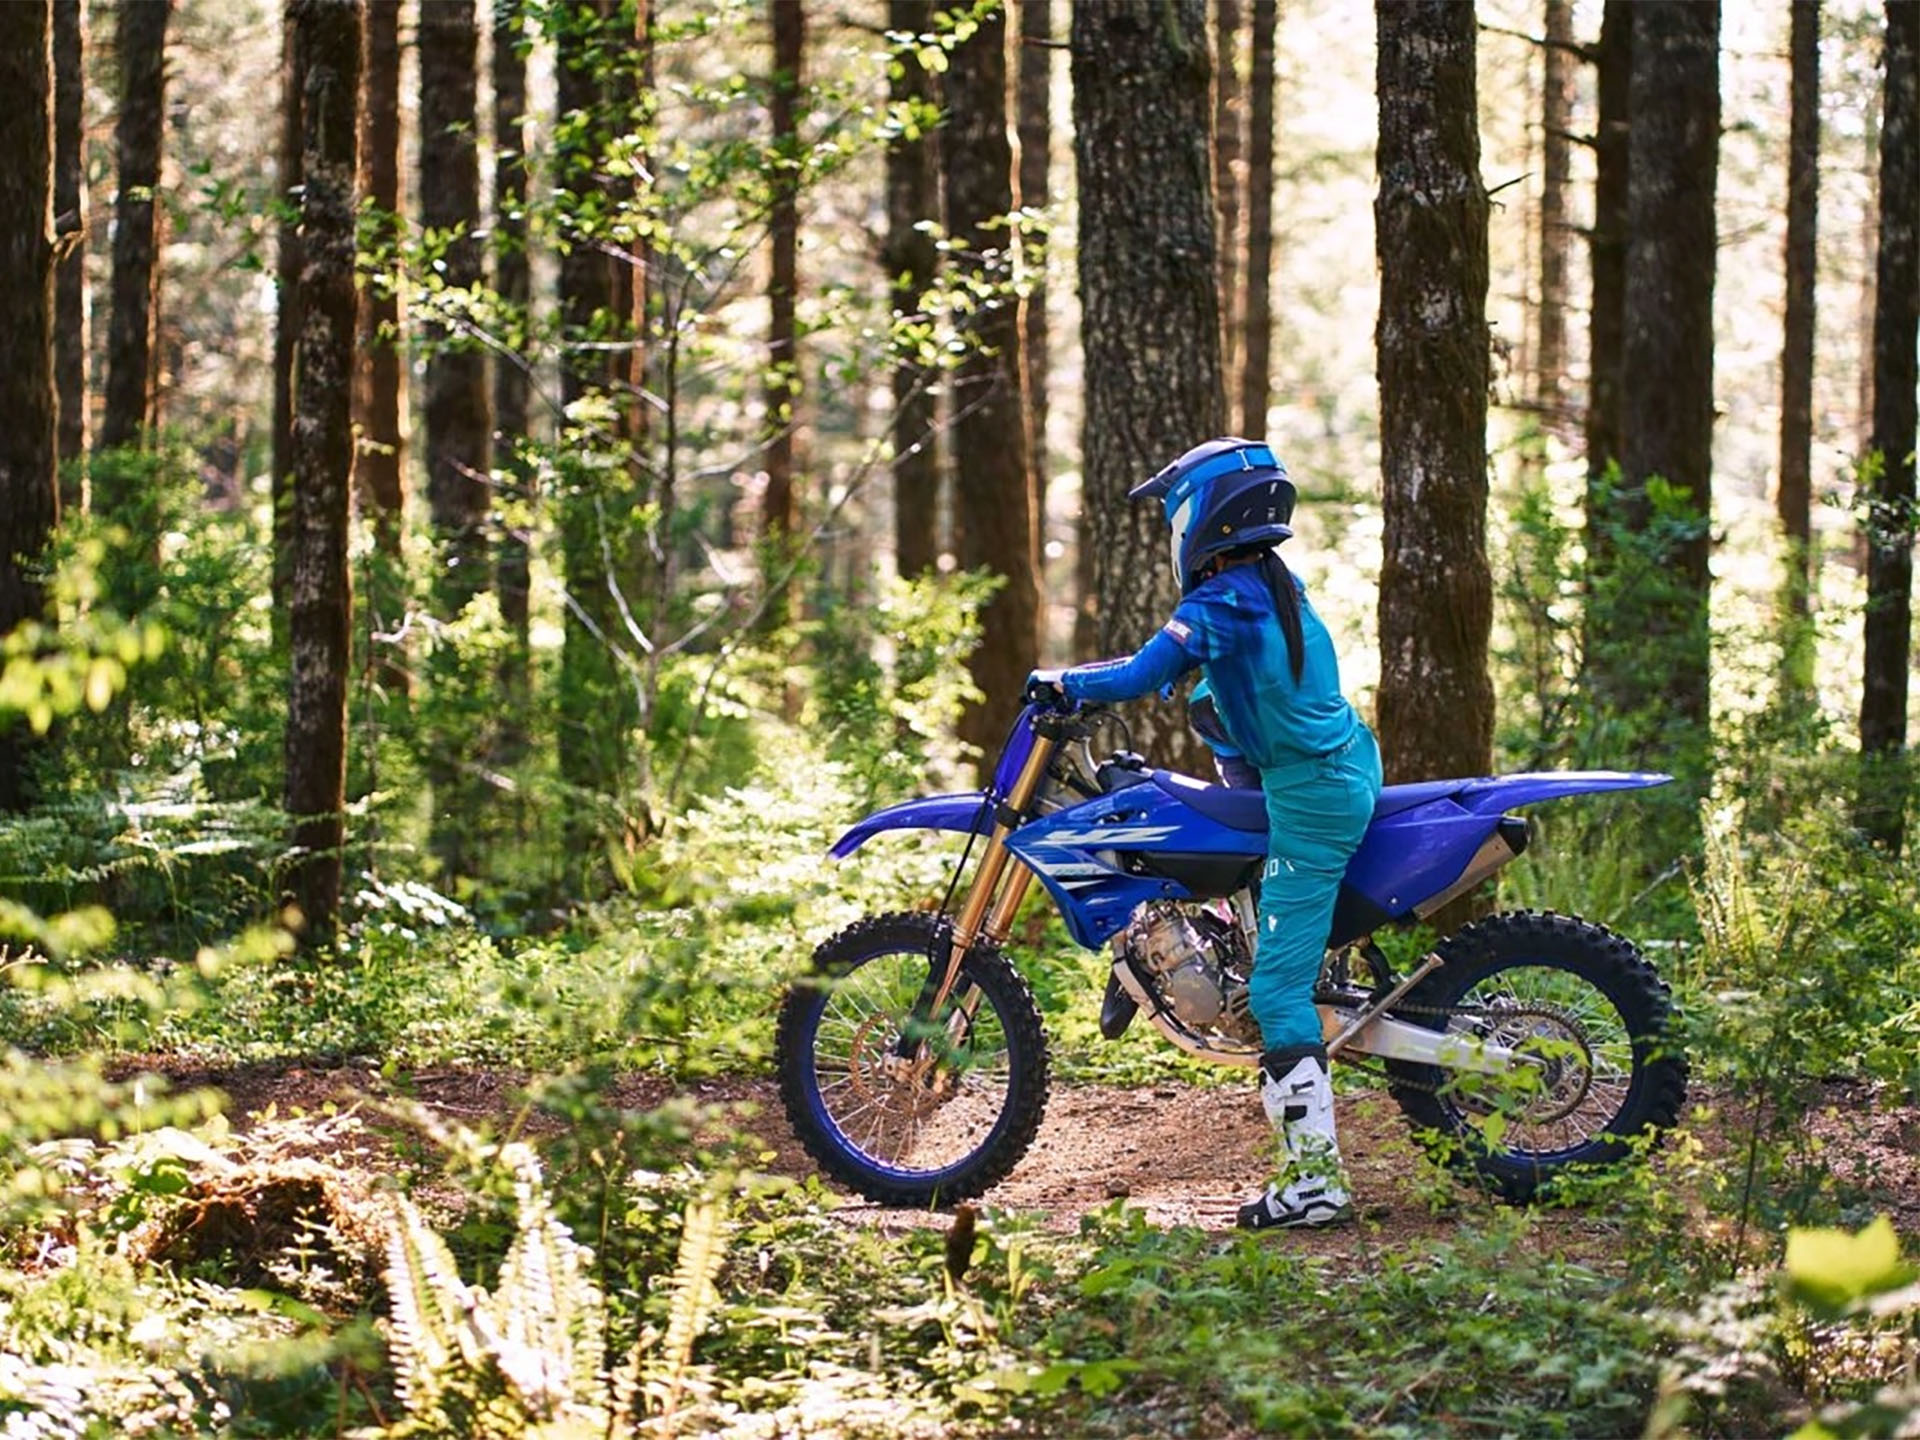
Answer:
x=1227 y=494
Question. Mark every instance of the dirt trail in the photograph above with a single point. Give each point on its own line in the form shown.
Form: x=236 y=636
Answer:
x=1181 y=1154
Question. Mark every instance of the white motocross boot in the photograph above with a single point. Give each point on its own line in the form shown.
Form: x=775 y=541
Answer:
x=1310 y=1189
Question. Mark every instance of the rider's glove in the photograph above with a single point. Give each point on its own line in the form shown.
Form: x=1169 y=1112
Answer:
x=1045 y=686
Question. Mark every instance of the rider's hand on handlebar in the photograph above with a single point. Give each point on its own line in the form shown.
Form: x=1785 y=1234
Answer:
x=1044 y=688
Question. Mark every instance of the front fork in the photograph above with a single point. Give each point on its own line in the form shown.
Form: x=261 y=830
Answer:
x=992 y=900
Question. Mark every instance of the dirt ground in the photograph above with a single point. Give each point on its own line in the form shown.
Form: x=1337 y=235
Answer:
x=1182 y=1154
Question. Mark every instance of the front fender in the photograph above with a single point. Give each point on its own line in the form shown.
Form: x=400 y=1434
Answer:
x=965 y=813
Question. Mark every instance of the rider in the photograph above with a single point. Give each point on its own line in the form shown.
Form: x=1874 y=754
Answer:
x=1274 y=682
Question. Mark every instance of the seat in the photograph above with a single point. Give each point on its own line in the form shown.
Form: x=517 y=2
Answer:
x=1247 y=809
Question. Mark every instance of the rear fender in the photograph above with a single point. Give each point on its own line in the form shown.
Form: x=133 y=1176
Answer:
x=1504 y=792
x=968 y=813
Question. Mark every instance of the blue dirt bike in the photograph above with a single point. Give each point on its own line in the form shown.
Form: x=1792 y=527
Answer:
x=913 y=1063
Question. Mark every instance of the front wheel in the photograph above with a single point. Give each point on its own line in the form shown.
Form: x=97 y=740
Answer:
x=908 y=1108
x=1590 y=1021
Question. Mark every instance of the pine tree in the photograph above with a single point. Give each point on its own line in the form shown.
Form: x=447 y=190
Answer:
x=321 y=588
x=1150 y=310
x=780 y=508
x=29 y=493
x=512 y=281
x=1795 y=497
x=1608 y=256
x=379 y=466
x=1430 y=224
x=1033 y=85
x=142 y=34
x=1560 y=60
x=1229 y=129
x=1667 y=392
x=909 y=255
x=286 y=329
x=1256 y=377
x=458 y=428
x=1891 y=511
x=993 y=485
x=71 y=318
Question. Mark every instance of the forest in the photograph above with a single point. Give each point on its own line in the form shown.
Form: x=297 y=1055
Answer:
x=492 y=493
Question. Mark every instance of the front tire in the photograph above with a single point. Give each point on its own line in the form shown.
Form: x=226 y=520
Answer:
x=1596 y=1020
x=926 y=1122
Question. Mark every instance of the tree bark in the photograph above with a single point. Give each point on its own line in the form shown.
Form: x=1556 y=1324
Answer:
x=992 y=472
x=71 y=320
x=322 y=594
x=1795 y=497
x=1667 y=396
x=1891 y=514
x=597 y=709
x=1435 y=704
x=1150 y=307
x=1556 y=226
x=779 y=507
x=1033 y=85
x=512 y=281
x=1608 y=252
x=142 y=33
x=379 y=467
x=909 y=257
x=457 y=425
x=1255 y=375
x=29 y=490
x=286 y=332
x=1229 y=131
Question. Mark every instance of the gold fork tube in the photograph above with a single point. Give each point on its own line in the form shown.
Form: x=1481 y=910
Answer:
x=993 y=867
x=1000 y=919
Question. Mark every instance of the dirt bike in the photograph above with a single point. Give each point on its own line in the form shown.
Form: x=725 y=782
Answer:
x=913 y=1062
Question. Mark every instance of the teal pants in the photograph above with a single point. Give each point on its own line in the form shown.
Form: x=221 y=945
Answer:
x=1317 y=812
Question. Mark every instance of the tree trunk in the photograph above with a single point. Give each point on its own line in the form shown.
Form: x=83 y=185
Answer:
x=512 y=281
x=1255 y=376
x=286 y=332
x=1795 y=498
x=1435 y=703
x=993 y=477
x=29 y=491
x=1556 y=226
x=597 y=708
x=142 y=33
x=780 y=511
x=457 y=425
x=1891 y=512
x=1150 y=308
x=1608 y=253
x=1229 y=131
x=71 y=322
x=379 y=466
x=1033 y=84
x=913 y=197
x=1667 y=396
x=322 y=596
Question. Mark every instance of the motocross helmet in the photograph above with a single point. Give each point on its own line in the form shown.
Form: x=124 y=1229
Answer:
x=1227 y=494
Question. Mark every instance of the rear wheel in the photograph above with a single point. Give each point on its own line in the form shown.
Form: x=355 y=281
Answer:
x=906 y=1108
x=1591 y=1020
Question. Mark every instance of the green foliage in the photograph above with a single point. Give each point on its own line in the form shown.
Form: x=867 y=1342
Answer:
x=891 y=680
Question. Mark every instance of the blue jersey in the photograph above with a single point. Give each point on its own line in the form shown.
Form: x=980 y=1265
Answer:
x=1228 y=627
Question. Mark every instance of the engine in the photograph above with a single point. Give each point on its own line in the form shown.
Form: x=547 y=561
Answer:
x=1194 y=960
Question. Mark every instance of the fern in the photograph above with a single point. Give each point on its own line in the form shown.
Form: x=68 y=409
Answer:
x=523 y=1360
x=702 y=1251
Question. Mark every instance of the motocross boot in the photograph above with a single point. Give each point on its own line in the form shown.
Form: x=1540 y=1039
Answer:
x=1310 y=1188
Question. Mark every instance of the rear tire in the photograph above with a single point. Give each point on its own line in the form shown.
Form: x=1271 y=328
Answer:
x=929 y=1129
x=1594 y=1014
